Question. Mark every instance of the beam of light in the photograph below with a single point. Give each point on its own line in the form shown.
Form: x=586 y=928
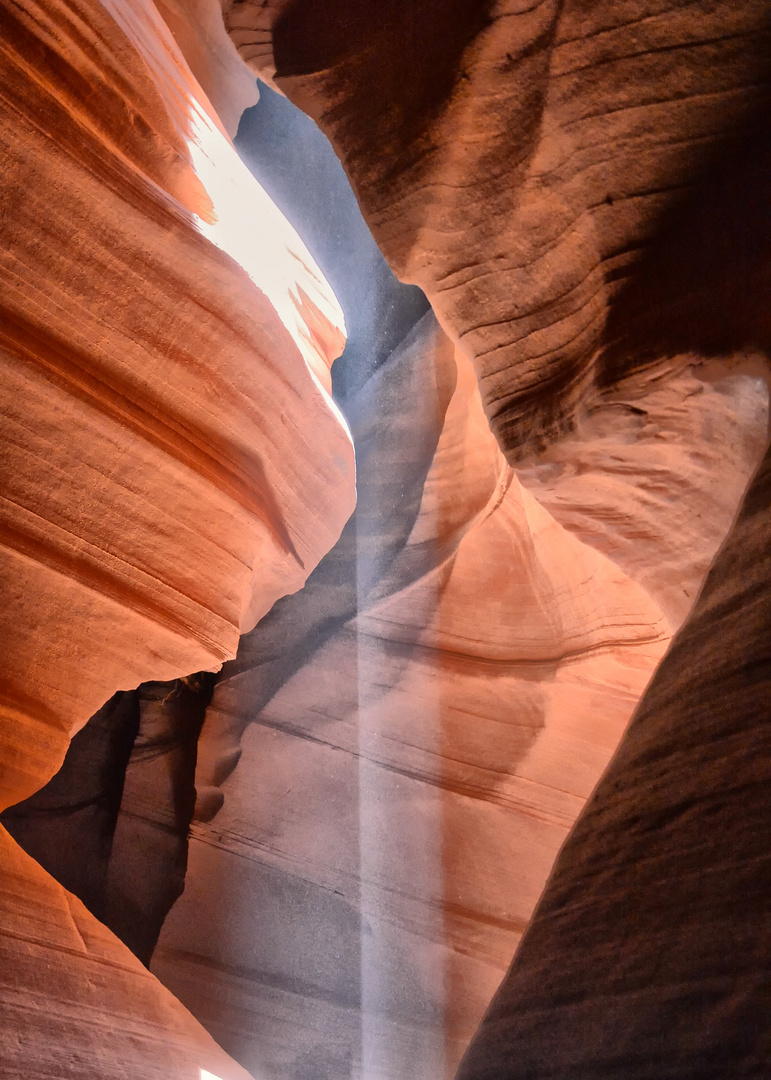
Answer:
x=413 y=812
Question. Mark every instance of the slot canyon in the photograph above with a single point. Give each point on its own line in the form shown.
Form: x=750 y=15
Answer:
x=386 y=583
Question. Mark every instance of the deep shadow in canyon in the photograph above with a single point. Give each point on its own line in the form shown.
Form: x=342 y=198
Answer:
x=700 y=285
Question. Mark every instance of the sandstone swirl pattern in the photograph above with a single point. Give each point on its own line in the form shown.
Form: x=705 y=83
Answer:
x=648 y=955
x=183 y=469
x=413 y=734
x=567 y=181
x=420 y=725
x=170 y=463
x=564 y=181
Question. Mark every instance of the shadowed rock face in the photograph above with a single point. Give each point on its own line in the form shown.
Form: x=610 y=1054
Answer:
x=392 y=719
x=68 y=826
x=412 y=753
x=570 y=185
x=112 y=825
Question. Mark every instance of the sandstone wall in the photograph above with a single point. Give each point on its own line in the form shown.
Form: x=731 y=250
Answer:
x=171 y=462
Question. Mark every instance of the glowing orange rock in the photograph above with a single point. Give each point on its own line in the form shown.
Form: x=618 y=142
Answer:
x=76 y=1003
x=170 y=462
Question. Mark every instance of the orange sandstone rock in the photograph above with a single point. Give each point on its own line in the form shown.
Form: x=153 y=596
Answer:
x=75 y=1003
x=410 y=765
x=400 y=799
x=568 y=182
x=170 y=462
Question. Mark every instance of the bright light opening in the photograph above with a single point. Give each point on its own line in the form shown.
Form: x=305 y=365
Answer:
x=247 y=225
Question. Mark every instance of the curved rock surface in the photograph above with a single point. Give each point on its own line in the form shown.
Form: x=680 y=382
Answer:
x=411 y=770
x=184 y=468
x=112 y=824
x=171 y=464
x=653 y=470
x=75 y=1003
x=568 y=182
x=200 y=34
x=419 y=726
x=425 y=737
x=649 y=953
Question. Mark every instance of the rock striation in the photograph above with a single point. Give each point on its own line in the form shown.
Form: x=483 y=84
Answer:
x=571 y=188
x=569 y=183
x=437 y=702
x=76 y=1003
x=649 y=951
x=414 y=732
x=418 y=727
x=184 y=467
x=411 y=751
x=171 y=464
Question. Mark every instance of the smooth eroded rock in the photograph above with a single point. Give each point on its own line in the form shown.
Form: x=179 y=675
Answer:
x=170 y=463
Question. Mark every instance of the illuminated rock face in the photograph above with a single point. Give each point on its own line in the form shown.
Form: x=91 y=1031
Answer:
x=563 y=185
x=171 y=463
x=76 y=1003
x=420 y=739
x=581 y=190
x=428 y=716
x=198 y=30
x=184 y=468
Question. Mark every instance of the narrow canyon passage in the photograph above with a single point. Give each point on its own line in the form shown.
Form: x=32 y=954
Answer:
x=329 y=846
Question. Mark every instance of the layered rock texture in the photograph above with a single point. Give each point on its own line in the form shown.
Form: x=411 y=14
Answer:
x=572 y=186
x=422 y=736
x=417 y=729
x=547 y=461
x=570 y=183
x=76 y=1003
x=155 y=507
x=170 y=462
x=581 y=190
x=649 y=953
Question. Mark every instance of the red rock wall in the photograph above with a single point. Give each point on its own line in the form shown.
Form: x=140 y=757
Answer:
x=562 y=180
x=567 y=181
x=154 y=503
x=171 y=464
x=409 y=765
x=580 y=190
x=649 y=952
x=75 y=1003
